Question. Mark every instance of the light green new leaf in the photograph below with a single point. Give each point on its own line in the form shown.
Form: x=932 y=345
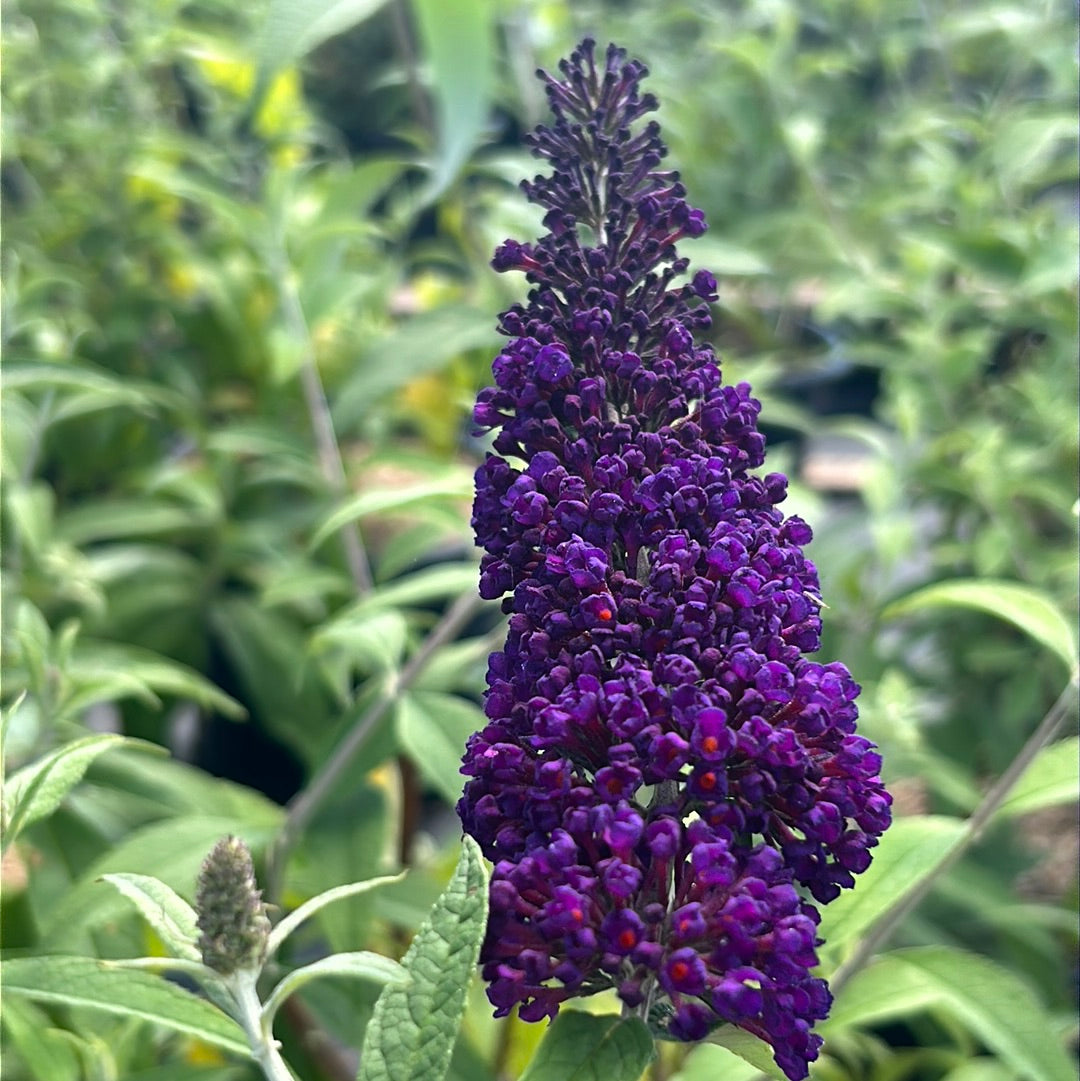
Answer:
x=995 y=1004
x=1026 y=608
x=459 y=48
x=35 y=791
x=909 y=851
x=1052 y=778
x=749 y=1048
x=362 y=965
x=591 y=1047
x=327 y=897
x=84 y=982
x=164 y=909
x=294 y=27
x=432 y=729
x=414 y=1027
x=708 y=1061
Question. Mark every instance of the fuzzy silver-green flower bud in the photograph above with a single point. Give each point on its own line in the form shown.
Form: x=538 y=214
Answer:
x=231 y=913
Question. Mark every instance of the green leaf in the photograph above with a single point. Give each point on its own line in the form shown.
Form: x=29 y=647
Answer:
x=1026 y=608
x=100 y=389
x=294 y=27
x=591 y=1047
x=47 y=1053
x=457 y=485
x=420 y=344
x=998 y=1007
x=37 y=790
x=432 y=729
x=707 y=1062
x=31 y=510
x=164 y=909
x=361 y=965
x=748 y=1048
x=373 y=641
x=327 y=897
x=908 y=852
x=84 y=982
x=1053 y=778
x=431 y=584
x=458 y=45
x=414 y=1028
x=158 y=673
x=106 y=518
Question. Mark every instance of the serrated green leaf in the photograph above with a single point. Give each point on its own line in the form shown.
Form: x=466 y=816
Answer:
x=458 y=47
x=84 y=982
x=327 y=897
x=432 y=729
x=907 y=853
x=994 y=1003
x=37 y=790
x=1053 y=778
x=1026 y=608
x=591 y=1047
x=414 y=1028
x=164 y=909
x=359 y=965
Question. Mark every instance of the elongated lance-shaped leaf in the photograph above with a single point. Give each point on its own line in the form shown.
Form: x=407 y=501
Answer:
x=84 y=982
x=361 y=965
x=589 y=1047
x=35 y=791
x=414 y=1027
x=1052 y=778
x=294 y=27
x=164 y=909
x=327 y=897
x=1028 y=609
x=992 y=1002
x=457 y=38
x=911 y=851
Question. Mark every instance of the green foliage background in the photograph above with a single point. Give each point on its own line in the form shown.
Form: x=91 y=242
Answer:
x=246 y=308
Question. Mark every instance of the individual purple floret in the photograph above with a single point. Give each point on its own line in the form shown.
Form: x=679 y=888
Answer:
x=665 y=779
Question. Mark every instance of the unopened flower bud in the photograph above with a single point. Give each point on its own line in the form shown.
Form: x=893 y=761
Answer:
x=231 y=913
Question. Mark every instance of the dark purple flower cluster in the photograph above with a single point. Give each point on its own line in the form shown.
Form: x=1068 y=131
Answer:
x=663 y=768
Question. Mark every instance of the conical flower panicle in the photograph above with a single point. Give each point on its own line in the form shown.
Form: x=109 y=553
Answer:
x=665 y=777
x=231 y=913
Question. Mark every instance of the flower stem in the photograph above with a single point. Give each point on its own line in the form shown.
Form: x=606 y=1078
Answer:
x=249 y=1013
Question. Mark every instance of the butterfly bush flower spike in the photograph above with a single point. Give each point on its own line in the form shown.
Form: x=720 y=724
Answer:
x=667 y=786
